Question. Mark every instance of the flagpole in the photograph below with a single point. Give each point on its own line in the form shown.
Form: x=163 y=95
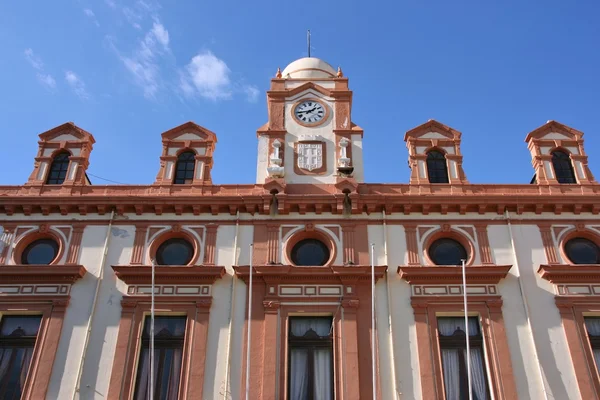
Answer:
x=373 y=320
x=151 y=397
x=248 y=344
x=464 y=279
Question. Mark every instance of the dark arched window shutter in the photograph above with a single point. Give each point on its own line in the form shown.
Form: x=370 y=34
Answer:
x=184 y=169
x=437 y=170
x=58 y=169
x=563 y=168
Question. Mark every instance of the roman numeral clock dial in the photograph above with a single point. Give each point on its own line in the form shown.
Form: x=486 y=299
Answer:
x=310 y=112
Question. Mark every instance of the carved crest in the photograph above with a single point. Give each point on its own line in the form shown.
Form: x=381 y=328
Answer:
x=310 y=155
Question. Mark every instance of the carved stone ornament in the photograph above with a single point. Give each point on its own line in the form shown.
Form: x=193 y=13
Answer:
x=276 y=169
x=310 y=156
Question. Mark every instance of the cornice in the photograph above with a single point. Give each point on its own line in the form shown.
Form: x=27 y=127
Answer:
x=21 y=273
x=289 y=273
x=324 y=198
x=165 y=274
x=475 y=274
x=570 y=273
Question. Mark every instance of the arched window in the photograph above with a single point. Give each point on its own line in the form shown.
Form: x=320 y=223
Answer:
x=58 y=169
x=437 y=171
x=563 y=169
x=184 y=169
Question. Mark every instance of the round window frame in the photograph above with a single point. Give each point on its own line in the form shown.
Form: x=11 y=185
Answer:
x=162 y=238
x=29 y=237
x=584 y=234
x=294 y=239
x=454 y=235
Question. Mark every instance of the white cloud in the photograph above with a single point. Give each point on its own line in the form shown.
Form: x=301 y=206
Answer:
x=77 y=84
x=111 y=3
x=90 y=14
x=43 y=77
x=161 y=34
x=34 y=60
x=143 y=64
x=46 y=80
x=252 y=93
x=207 y=76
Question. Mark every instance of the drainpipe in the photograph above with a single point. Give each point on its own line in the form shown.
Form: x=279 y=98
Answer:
x=389 y=303
x=231 y=306
x=525 y=302
x=94 y=303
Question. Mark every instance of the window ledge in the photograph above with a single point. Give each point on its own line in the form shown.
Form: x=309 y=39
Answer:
x=30 y=273
x=164 y=274
x=334 y=273
x=570 y=273
x=483 y=274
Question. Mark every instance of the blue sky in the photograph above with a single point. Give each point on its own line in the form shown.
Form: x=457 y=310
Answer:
x=128 y=70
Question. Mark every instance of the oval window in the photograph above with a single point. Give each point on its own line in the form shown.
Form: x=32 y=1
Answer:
x=310 y=252
x=447 y=251
x=41 y=252
x=175 y=251
x=582 y=251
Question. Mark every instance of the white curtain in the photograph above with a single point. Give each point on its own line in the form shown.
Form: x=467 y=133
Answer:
x=299 y=374
x=322 y=376
x=450 y=364
x=478 y=376
x=447 y=325
x=302 y=325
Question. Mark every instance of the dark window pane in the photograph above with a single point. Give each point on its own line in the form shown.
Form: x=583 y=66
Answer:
x=184 y=169
x=42 y=251
x=582 y=251
x=19 y=326
x=563 y=168
x=310 y=365
x=175 y=251
x=169 y=332
x=17 y=340
x=166 y=327
x=452 y=339
x=447 y=251
x=437 y=170
x=58 y=169
x=311 y=252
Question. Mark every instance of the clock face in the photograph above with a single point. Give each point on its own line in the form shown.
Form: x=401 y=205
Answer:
x=310 y=112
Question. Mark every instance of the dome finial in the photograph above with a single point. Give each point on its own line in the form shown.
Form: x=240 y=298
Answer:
x=339 y=72
x=278 y=74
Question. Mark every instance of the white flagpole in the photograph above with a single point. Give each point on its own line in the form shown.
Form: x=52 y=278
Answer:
x=464 y=279
x=373 y=319
x=249 y=329
x=151 y=397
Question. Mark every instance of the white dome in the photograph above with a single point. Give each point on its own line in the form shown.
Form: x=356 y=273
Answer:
x=309 y=68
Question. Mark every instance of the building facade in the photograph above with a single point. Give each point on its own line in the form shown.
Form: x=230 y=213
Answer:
x=76 y=262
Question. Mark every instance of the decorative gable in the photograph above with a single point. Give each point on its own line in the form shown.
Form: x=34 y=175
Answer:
x=552 y=136
x=429 y=136
x=66 y=138
x=187 y=137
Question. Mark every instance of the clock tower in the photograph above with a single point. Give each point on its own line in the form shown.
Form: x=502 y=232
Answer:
x=310 y=137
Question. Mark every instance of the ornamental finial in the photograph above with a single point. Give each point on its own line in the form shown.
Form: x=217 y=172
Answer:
x=339 y=72
x=278 y=74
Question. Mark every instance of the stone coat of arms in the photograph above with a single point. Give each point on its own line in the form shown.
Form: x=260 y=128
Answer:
x=310 y=155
